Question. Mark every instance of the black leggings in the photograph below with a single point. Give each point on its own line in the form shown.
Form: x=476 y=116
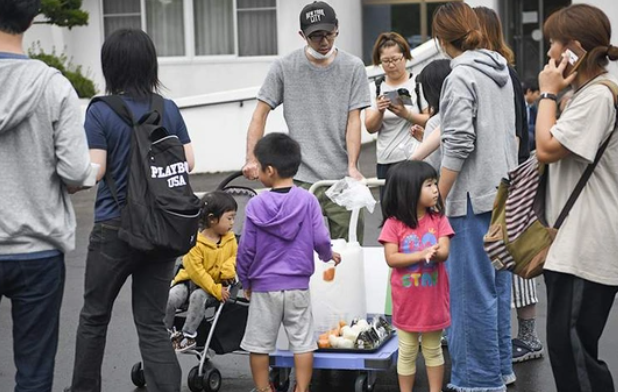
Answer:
x=577 y=311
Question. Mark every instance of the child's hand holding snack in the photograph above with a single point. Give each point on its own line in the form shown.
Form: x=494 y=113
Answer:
x=336 y=258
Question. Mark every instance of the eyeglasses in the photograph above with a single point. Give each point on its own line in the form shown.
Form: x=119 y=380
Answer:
x=317 y=38
x=391 y=61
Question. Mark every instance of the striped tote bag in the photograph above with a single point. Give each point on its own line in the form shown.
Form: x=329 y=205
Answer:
x=519 y=238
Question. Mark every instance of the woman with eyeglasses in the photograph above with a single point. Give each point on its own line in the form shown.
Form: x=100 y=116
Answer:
x=394 y=107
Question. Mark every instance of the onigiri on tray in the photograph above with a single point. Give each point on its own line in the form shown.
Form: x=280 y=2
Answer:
x=359 y=336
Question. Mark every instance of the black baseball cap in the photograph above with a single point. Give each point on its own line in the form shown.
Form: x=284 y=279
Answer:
x=317 y=16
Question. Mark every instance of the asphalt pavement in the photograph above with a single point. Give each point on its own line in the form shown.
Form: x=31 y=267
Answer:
x=122 y=351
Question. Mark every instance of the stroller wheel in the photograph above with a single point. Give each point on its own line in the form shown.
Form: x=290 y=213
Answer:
x=194 y=380
x=137 y=375
x=211 y=379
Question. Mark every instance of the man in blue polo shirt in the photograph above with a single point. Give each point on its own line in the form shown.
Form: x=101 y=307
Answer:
x=43 y=151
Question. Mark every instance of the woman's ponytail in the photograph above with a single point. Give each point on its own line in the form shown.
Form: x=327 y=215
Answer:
x=456 y=23
x=612 y=52
x=472 y=40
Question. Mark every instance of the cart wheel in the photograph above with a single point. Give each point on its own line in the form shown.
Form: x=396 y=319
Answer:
x=276 y=379
x=212 y=379
x=137 y=375
x=194 y=380
x=361 y=383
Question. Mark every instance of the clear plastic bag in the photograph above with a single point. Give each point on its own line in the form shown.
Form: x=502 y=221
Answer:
x=351 y=194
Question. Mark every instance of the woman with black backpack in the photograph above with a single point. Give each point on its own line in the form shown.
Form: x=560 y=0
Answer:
x=129 y=63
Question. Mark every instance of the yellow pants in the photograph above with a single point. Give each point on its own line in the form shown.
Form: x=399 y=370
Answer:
x=408 y=350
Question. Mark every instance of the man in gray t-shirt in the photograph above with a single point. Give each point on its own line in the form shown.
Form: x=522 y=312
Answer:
x=323 y=90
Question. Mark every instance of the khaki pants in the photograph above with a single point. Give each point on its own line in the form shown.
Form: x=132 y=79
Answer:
x=338 y=217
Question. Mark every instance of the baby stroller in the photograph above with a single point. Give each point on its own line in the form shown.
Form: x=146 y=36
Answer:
x=222 y=331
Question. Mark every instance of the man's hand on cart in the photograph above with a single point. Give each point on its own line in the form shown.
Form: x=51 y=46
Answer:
x=248 y=293
x=225 y=293
x=336 y=258
x=355 y=174
x=251 y=170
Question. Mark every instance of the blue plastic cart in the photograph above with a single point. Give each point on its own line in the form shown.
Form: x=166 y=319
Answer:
x=368 y=364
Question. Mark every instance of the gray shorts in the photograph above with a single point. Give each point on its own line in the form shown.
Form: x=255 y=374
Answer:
x=268 y=311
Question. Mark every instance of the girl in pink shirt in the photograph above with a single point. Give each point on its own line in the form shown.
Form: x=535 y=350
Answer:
x=416 y=237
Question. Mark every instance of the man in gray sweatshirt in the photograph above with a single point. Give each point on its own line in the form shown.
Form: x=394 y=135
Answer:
x=43 y=150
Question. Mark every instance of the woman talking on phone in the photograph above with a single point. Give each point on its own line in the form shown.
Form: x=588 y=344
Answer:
x=581 y=272
x=392 y=118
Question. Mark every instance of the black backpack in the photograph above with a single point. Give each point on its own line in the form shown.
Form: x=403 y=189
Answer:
x=161 y=212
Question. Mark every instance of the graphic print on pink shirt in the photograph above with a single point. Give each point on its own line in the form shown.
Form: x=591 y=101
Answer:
x=422 y=274
x=420 y=292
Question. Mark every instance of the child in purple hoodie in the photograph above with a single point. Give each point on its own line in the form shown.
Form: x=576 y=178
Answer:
x=275 y=261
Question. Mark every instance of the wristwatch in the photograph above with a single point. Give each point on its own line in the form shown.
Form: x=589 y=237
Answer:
x=551 y=96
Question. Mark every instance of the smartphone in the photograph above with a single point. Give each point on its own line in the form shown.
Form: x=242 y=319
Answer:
x=400 y=95
x=575 y=55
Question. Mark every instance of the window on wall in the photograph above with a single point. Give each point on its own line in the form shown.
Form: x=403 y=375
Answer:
x=188 y=28
x=410 y=18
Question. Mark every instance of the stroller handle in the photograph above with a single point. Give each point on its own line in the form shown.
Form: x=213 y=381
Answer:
x=234 y=288
x=226 y=181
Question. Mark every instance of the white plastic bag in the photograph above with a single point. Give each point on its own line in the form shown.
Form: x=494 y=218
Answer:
x=351 y=194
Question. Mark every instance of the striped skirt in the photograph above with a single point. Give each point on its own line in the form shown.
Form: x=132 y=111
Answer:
x=524 y=292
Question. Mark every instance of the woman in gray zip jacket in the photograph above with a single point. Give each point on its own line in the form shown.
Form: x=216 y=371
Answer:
x=479 y=148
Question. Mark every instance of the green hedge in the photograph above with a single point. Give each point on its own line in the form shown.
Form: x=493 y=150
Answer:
x=82 y=84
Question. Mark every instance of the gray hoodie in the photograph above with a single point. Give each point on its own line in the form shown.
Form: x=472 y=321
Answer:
x=42 y=147
x=478 y=129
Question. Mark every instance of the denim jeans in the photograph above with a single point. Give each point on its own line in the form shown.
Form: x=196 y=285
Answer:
x=109 y=263
x=35 y=288
x=577 y=313
x=480 y=335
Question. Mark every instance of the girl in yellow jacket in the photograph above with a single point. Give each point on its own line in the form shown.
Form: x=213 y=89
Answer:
x=206 y=269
